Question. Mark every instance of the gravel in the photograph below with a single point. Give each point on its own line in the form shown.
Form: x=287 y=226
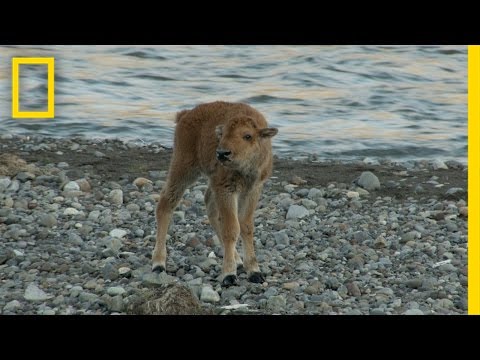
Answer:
x=74 y=242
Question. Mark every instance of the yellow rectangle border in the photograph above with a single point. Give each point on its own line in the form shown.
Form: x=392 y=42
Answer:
x=16 y=62
x=473 y=179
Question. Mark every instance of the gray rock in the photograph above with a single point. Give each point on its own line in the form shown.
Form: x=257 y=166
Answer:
x=14 y=186
x=88 y=297
x=116 y=290
x=438 y=164
x=455 y=191
x=94 y=215
x=75 y=239
x=47 y=220
x=151 y=279
x=118 y=233
x=443 y=304
x=353 y=289
x=109 y=272
x=33 y=293
x=178 y=216
x=413 y=312
x=71 y=186
x=296 y=212
x=4 y=183
x=25 y=176
x=354 y=312
x=414 y=283
x=368 y=181
x=70 y=211
x=309 y=204
x=281 y=238
x=12 y=306
x=116 y=304
x=115 y=197
x=233 y=292
x=314 y=194
x=276 y=303
x=209 y=295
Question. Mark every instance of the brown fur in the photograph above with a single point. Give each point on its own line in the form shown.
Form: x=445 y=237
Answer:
x=234 y=186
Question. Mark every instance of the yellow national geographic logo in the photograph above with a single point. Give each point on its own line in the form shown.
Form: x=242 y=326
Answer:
x=16 y=113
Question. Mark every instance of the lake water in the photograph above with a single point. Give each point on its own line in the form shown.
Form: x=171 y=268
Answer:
x=343 y=102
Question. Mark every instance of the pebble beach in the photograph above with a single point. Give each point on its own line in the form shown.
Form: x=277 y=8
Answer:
x=77 y=229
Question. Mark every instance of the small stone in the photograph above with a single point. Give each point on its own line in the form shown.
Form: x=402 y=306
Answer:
x=354 y=312
x=438 y=164
x=281 y=238
x=353 y=289
x=297 y=180
x=157 y=279
x=178 y=216
x=413 y=312
x=25 y=176
x=368 y=181
x=443 y=304
x=291 y=285
x=414 y=283
x=84 y=185
x=296 y=212
x=209 y=295
x=380 y=242
x=33 y=293
x=116 y=197
x=70 y=211
x=99 y=154
x=118 y=233
x=12 y=306
x=353 y=194
x=116 y=290
x=140 y=182
x=410 y=236
x=315 y=194
x=48 y=220
x=276 y=303
x=309 y=204
x=124 y=271
x=455 y=192
x=109 y=272
x=75 y=239
x=71 y=186
x=116 y=304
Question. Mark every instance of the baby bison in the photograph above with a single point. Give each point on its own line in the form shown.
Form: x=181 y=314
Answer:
x=230 y=143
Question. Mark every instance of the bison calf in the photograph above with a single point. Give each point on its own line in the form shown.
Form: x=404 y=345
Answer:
x=230 y=143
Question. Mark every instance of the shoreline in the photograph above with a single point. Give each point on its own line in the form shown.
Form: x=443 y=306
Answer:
x=400 y=249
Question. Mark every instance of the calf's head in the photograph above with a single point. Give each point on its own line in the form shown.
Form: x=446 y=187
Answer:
x=241 y=142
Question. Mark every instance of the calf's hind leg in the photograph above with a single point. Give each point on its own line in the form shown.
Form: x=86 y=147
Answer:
x=179 y=178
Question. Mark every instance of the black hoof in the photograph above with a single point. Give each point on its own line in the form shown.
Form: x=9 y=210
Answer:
x=229 y=280
x=256 y=277
x=158 y=268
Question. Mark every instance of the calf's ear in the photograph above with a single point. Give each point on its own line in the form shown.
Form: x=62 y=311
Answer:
x=218 y=131
x=268 y=132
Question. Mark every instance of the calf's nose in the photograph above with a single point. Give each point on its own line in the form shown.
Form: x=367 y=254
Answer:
x=223 y=154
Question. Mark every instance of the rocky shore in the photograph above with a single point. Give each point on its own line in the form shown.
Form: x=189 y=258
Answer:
x=77 y=229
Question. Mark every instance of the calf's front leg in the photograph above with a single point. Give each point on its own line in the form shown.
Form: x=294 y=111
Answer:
x=229 y=230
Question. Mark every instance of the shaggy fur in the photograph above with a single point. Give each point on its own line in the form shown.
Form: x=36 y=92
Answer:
x=203 y=136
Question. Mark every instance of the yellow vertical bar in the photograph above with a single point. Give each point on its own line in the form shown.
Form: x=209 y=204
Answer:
x=473 y=179
x=15 y=93
x=51 y=87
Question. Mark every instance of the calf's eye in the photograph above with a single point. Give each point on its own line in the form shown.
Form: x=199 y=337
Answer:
x=248 y=137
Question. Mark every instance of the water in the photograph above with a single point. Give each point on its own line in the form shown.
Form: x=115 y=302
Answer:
x=343 y=102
